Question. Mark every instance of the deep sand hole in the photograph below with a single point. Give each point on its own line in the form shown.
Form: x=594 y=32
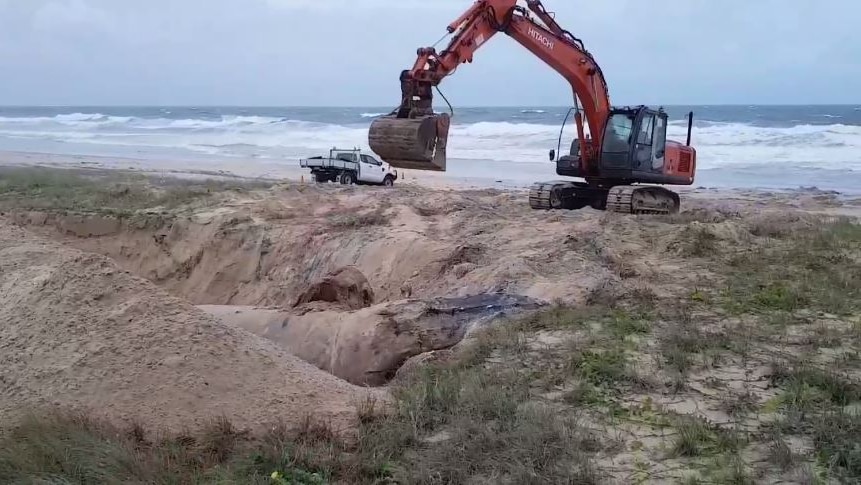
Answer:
x=229 y=267
x=81 y=333
x=368 y=346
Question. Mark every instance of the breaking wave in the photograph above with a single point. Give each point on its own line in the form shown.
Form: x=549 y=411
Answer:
x=718 y=144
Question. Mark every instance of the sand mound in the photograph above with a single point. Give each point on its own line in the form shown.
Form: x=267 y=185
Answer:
x=346 y=286
x=78 y=332
x=368 y=346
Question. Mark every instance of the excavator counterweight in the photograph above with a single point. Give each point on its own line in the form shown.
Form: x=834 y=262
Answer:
x=415 y=143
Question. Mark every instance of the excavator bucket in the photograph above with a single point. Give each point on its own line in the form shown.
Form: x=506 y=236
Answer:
x=412 y=143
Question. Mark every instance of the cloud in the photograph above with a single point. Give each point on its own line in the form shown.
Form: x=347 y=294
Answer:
x=339 y=52
x=348 y=5
x=60 y=15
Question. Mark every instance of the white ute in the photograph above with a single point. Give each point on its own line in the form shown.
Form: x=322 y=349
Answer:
x=350 y=167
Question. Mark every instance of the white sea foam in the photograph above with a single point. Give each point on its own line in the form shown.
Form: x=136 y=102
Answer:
x=833 y=146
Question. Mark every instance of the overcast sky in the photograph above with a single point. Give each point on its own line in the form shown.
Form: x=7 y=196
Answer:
x=350 y=52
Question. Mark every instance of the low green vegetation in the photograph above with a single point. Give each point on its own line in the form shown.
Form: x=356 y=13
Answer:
x=696 y=437
x=817 y=268
x=451 y=422
x=803 y=273
x=106 y=192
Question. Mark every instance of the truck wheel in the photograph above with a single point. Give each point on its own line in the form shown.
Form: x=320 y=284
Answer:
x=321 y=178
x=389 y=181
x=347 y=178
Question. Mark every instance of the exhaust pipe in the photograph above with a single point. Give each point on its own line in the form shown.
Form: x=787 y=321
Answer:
x=690 y=126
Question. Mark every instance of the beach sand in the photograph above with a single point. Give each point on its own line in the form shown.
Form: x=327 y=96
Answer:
x=172 y=312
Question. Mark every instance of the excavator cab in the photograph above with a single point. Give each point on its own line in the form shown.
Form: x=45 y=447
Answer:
x=635 y=148
x=634 y=141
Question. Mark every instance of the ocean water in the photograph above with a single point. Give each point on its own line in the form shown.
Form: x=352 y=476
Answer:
x=738 y=146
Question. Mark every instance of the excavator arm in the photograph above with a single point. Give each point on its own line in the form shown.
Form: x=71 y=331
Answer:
x=413 y=136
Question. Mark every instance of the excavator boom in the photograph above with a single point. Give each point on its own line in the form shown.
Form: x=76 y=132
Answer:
x=414 y=136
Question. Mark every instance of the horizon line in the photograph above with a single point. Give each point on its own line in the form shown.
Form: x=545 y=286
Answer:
x=381 y=106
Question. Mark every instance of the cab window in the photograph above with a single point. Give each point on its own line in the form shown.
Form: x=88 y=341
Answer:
x=660 y=136
x=617 y=137
x=646 y=127
x=370 y=160
x=643 y=151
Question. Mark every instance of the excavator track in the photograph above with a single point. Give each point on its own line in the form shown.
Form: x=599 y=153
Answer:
x=629 y=199
x=625 y=199
x=543 y=197
x=560 y=194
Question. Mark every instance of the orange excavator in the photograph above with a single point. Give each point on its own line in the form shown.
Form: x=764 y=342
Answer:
x=624 y=147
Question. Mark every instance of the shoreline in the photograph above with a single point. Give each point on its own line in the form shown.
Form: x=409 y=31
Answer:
x=215 y=167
